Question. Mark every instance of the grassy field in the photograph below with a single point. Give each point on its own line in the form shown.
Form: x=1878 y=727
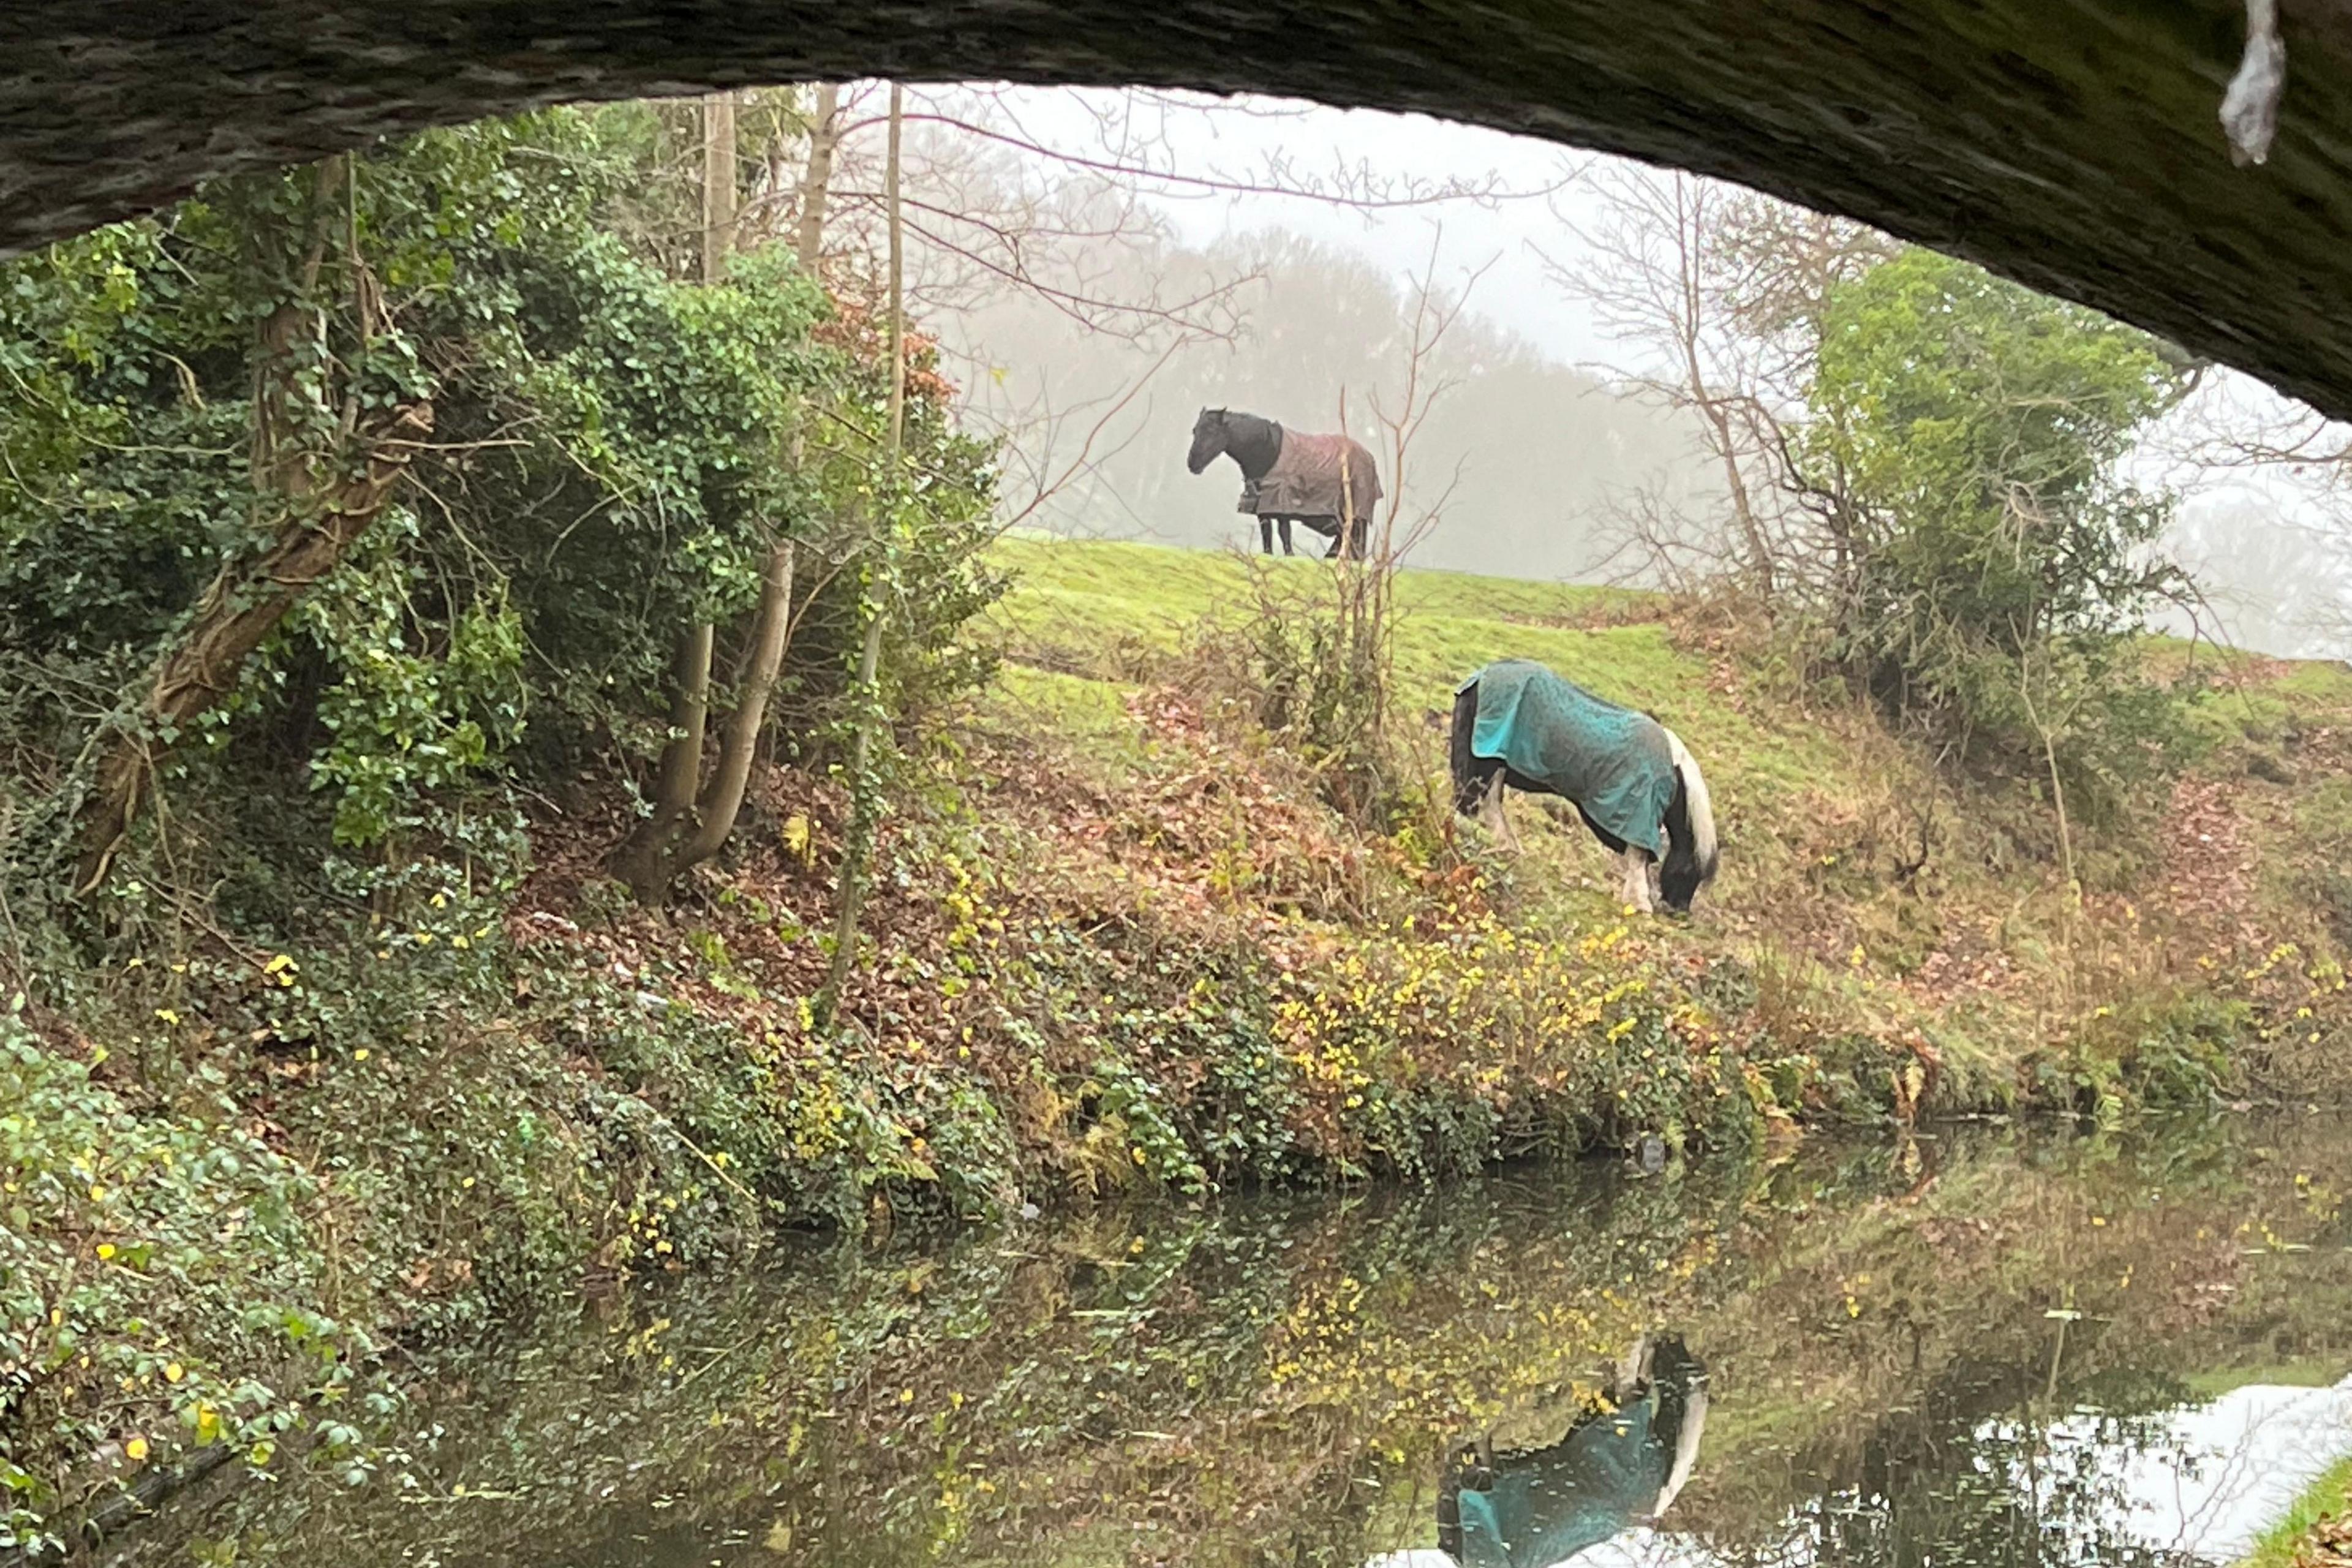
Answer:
x=2296 y=1540
x=1096 y=608
x=1871 y=895
x=1110 y=613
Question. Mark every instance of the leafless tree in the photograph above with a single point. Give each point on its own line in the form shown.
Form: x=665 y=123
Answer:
x=1721 y=292
x=2273 y=537
x=1061 y=196
x=1402 y=413
x=1349 y=669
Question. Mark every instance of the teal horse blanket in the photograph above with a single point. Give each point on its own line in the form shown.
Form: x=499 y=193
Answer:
x=1613 y=762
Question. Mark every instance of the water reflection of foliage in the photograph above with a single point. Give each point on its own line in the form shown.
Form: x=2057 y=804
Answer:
x=1882 y=1349
x=2007 y=1494
x=1277 y=1382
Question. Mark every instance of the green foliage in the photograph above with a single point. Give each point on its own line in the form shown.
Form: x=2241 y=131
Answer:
x=163 y=1264
x=916 y=544
x=614 y=453
x=1994 y=565
x=418 y=1122
x=407 y=728
x=2324 y=1510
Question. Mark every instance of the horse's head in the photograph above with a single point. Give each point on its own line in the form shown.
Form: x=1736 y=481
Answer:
x=1208 y=440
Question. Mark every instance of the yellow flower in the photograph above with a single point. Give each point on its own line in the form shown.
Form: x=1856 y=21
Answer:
x=137 y=1449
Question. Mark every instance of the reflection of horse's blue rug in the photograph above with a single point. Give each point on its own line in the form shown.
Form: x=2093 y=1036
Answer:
x=1586 y=1490
x=1613 y=762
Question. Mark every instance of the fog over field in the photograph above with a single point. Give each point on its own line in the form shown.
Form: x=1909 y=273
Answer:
x=1176 y=253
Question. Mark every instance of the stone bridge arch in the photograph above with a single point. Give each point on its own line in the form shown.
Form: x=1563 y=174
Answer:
x=2073 y=144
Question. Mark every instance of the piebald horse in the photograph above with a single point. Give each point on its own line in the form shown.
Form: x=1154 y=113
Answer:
x=1631 y=778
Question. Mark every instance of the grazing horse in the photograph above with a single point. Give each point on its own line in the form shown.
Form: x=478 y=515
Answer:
x=1628 y=777
x=1326 y=482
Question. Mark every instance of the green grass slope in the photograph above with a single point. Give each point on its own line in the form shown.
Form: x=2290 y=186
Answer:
x=1869 y=901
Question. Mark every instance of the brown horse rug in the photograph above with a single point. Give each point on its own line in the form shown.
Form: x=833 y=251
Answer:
x=1315 y=476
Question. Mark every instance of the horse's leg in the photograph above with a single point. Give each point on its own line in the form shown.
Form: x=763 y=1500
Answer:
x=1266 y=535
x=1637 y=880
x=1496 y=822
x=1287 y=547
x=1633 y=1369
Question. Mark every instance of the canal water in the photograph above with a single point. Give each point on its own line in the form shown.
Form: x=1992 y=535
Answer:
x=1987 y=1347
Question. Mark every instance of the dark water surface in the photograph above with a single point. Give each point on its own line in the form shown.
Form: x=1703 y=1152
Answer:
x=1973 y=1350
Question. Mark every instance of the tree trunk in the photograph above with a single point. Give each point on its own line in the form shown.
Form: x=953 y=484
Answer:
x=723 y=800
x=857 y=853
x=280 y=464
x=817 y=185
x=653 y=856
x=718 y=184
x=865 y=805
x=644 y=861
x=1691 y=235
x=897 y=421
x=240 y=609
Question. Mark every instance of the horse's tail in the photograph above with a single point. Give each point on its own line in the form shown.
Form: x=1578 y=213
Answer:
x=1465 y=767
x=1690 y=831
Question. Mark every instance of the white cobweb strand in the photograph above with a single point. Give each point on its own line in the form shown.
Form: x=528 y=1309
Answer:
x=2250 y=109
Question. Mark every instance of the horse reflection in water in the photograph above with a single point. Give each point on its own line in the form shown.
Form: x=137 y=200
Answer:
x=1618 y=1466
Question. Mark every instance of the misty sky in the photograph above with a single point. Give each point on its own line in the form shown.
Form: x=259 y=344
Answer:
x=2221 y=511
x=1315 y=140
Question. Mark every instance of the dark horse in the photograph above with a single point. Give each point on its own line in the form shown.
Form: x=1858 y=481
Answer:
x=1288 y=477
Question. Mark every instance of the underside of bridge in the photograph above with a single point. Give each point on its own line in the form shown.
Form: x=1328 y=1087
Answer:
x=2073 y=144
